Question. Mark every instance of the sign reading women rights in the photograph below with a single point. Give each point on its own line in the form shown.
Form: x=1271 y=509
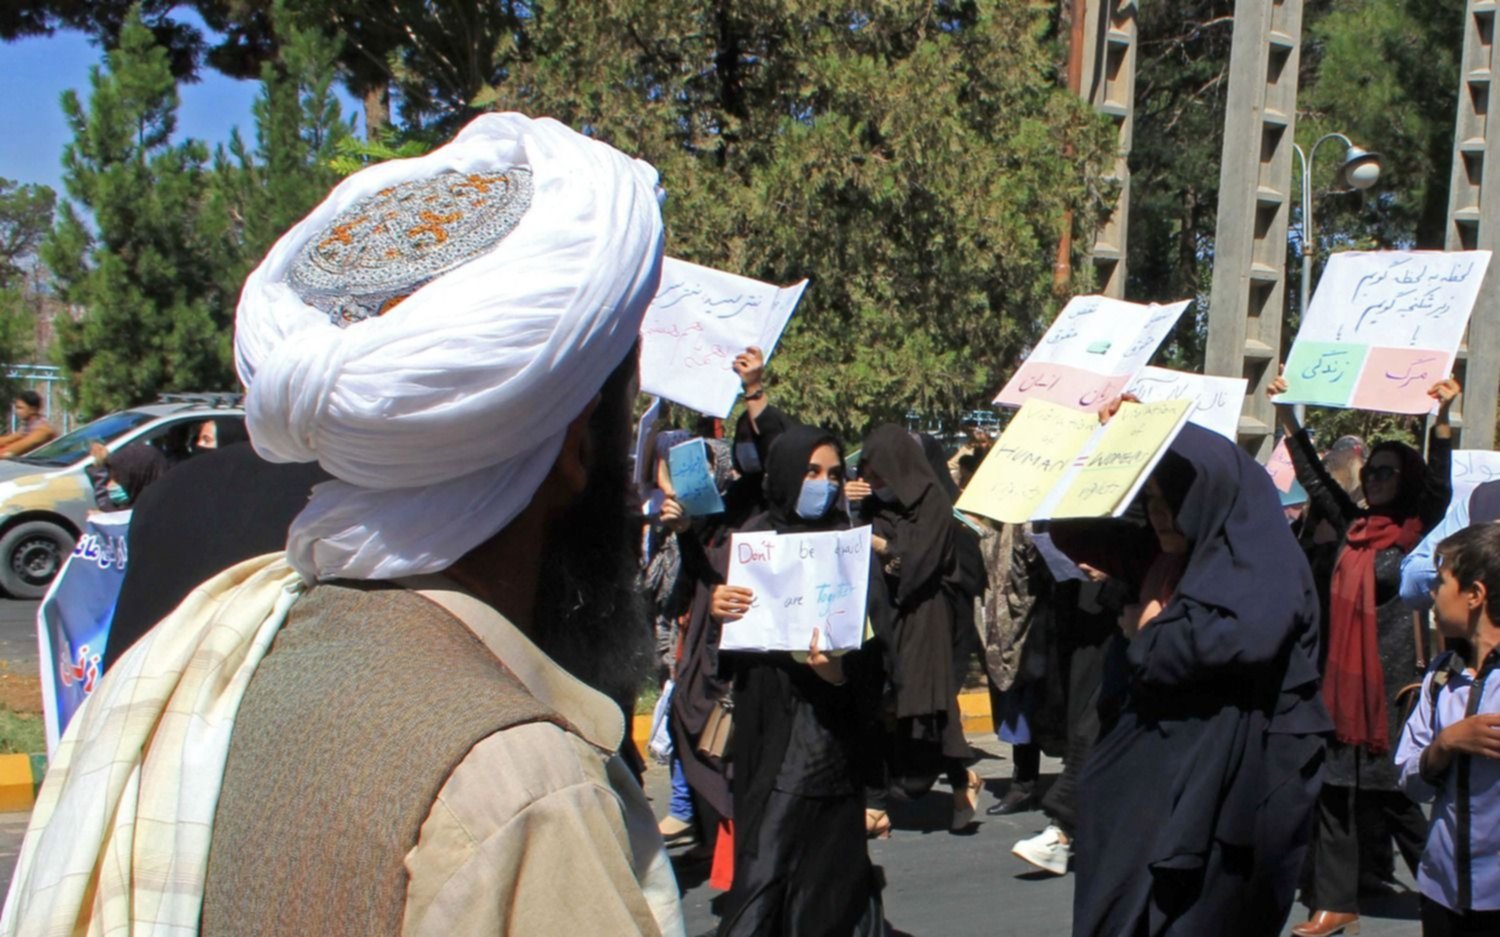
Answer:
x=1382 y=328
x=802 y=583
x=1092 y=350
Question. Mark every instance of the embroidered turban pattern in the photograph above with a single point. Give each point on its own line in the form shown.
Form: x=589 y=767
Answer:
x=429 y=331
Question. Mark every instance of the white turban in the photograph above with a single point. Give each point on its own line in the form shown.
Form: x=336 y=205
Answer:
x=440 y=418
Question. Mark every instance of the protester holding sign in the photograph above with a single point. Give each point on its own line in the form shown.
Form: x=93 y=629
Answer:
x=917 y=538
x=800 y=861
x=1194 y=805
x=1371 y=646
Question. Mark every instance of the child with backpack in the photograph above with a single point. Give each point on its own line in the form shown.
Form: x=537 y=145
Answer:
x=1450 y=749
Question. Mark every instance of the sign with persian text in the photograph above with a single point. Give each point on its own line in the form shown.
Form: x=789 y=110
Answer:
x=699 y=321
x=1382 y=328
x=1217 y=401
x=1091 y=351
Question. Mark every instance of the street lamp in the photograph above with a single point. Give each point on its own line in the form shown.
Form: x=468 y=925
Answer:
x=1359 y=171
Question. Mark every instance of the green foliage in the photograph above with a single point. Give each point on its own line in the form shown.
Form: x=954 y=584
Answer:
x=172 y=237
x=156 y=320
x=914 y=160
x=25 y=217
x=21 y=733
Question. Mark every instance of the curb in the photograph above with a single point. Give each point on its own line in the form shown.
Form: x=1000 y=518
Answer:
x=974 y=705
x=20 y=776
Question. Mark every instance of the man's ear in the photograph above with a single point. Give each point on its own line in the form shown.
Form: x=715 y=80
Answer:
x=570 y=473
x=1478 y=595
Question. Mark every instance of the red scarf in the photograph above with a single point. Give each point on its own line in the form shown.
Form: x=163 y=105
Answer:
x=1354 y=684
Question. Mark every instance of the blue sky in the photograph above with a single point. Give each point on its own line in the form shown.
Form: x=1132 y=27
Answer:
x=35 y=72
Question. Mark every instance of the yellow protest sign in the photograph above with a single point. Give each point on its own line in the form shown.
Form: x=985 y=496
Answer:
x=1025 y=463
x=1127 y=448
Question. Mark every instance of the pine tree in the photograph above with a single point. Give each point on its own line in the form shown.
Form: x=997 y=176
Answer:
x=156 y=318
x=259 y=193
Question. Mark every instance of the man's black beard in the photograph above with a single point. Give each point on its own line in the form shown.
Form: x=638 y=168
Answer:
x=590 y=615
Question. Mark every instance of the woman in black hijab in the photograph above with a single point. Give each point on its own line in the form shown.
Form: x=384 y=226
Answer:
x=1196 y=802
x=929 y=616
x=800 y=861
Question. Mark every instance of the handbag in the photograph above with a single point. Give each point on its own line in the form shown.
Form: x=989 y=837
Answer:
x=718 y=730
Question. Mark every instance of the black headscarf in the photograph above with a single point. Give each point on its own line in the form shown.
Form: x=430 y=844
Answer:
x=937 y=460
x=743 y=499
x=1229 y=665
x=786 y=469
x=920 y=519
x=228 y=431
x=135 y=466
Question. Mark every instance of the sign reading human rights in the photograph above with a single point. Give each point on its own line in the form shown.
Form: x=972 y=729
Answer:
x=1055 y=462
x=802 y=583
x=699 y=321
x=1092 y=350
x=1382 y=328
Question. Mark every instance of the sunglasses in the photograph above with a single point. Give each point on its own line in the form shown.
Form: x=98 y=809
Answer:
x=1383 y=473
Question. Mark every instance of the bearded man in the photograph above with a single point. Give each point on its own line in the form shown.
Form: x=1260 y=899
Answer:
x=408 y=723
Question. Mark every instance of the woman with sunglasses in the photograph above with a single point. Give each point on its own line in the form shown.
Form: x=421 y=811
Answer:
x=1370 y=653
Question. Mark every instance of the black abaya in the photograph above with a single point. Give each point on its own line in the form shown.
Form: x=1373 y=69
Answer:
x=801 y=866
x=1195 y=804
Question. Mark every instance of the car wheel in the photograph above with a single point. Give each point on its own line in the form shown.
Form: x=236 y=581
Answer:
x=31 y=554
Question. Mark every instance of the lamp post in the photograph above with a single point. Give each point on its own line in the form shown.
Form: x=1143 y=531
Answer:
x=1360 y=170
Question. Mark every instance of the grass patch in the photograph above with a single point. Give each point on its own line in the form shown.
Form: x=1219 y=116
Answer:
x=21 y=733
x=645 y=703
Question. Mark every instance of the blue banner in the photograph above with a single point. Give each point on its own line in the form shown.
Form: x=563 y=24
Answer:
x=73 y=621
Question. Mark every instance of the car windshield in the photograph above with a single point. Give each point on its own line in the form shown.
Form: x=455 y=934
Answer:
x=65 y=450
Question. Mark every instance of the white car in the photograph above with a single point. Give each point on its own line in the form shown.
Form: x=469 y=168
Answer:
x=46 y=493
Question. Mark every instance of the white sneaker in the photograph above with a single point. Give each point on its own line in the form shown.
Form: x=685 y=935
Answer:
x=1047 y=851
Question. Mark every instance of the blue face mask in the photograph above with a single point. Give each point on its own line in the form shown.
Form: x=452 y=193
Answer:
x=884 y=493
x=817 y=495
x=117 y=496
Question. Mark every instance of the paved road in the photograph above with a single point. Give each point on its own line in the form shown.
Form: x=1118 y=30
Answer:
x=18 y=633
x=939 y=884
x=943 y=885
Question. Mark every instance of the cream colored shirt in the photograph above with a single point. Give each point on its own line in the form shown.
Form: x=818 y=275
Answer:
x=539 y=831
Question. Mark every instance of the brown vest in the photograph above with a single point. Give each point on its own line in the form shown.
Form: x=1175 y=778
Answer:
x=368 y=699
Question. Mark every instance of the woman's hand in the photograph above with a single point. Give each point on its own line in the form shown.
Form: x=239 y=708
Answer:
x=100 y=454
x=856 y=489
x=1284 y=412
x=673 y=517
x=729 y=603
x=1110 y=409
x=750 y=365
x=880 y=545
x=1444 y=392
x=829 y=668
x=1094 y=575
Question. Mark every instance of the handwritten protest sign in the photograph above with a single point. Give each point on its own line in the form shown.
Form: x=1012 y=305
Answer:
x=1283 y=473
x=1382 y=328
x=1122 y=455
x=692 y=481
x=1472 y=468
x=1092 y=350
x=1216 y=400
x=700 y=319
x=1025 y=463
x=1053 y=461
x=801 y=582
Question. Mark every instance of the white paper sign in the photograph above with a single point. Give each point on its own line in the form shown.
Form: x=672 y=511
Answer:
x=1217 y=400
x=1472 y=468
x=801 y=582
x=699 y=321
x=1382 y=328
x=1093 y=348
x=643 y=452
